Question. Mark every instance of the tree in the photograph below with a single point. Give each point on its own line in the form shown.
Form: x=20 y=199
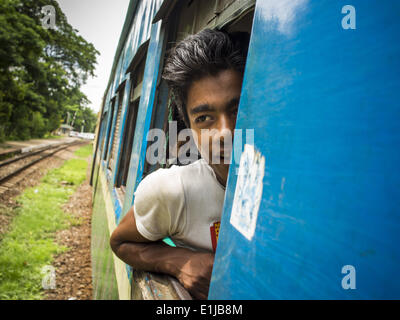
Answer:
x=41 y=70
x=80 y=116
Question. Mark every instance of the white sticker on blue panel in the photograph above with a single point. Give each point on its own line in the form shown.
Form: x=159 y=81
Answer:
x=248 y=192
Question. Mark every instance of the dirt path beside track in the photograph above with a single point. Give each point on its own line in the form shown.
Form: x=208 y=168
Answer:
x=73 y=268
x=36 y=172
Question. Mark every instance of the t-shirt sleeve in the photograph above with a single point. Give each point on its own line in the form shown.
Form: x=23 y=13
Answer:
x=159 y=204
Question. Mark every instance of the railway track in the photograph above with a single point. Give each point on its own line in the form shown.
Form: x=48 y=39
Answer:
x=13 y=167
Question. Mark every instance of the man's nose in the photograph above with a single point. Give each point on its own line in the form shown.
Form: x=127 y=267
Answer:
x=226 y=126
x=227 y=122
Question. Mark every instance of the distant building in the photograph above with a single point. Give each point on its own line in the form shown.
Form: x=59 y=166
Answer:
x=65 y=129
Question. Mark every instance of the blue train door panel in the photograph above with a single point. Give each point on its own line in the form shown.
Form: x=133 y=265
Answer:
x=312 y=211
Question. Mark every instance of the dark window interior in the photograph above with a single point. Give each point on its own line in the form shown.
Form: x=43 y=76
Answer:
x=114 y=146
x=127 y=143
x=109 y=128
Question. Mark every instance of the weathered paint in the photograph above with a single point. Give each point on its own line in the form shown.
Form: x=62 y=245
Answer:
x=117 y=205
x=248 y=192
x=324 y=104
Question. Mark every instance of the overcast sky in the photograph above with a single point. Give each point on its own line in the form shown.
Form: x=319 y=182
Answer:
x=99 y=22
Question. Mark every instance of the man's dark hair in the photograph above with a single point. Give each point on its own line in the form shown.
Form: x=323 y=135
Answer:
x=204 y=54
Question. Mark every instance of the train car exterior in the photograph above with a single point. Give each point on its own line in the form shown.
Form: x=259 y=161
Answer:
x=311 y=210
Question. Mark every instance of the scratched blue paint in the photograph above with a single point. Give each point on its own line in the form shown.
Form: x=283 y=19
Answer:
x=108 y=175
x=117 y=205
x=324 y=104
x=129 y=271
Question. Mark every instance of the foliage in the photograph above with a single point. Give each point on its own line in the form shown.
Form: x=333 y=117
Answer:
x=29 y=245
x=41 y=70
x=80 y=116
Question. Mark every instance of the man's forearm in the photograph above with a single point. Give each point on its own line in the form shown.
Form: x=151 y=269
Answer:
x=153 y=257
x=192 y=269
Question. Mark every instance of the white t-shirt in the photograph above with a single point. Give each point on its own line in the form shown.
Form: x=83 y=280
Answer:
x=181 y=202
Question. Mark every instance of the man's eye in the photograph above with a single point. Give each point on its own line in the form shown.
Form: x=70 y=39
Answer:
x=202 y=119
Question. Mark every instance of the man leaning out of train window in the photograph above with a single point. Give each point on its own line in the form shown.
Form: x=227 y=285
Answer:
x=204 y=72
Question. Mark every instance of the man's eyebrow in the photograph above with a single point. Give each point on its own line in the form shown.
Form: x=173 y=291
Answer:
x=201 y=108
x=206 y=107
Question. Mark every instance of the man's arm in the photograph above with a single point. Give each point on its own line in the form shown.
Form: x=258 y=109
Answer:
x=192 y=269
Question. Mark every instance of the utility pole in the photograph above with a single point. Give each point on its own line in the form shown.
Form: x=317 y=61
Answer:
x=73 y=120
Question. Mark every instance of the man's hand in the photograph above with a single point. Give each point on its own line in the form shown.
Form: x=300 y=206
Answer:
x=192 y=269
x=195 y=274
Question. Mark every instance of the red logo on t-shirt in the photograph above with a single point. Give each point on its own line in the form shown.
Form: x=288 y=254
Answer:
x=214 y=230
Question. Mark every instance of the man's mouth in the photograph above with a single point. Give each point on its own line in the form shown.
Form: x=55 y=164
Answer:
x=225 y=157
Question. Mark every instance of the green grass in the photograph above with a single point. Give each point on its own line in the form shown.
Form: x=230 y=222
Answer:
x=85 y=151
x=30 y=245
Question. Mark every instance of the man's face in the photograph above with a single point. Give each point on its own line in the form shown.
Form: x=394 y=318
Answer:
x=212 y=104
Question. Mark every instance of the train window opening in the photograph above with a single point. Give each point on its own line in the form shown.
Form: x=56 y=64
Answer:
x=127 y=145
x=194 y=16
x=115 y=140
x=101 y=132
x=108 y=133
x=130 y=124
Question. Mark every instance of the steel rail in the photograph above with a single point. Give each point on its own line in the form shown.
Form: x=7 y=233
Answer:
x=27 y=154
x=24 y=167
